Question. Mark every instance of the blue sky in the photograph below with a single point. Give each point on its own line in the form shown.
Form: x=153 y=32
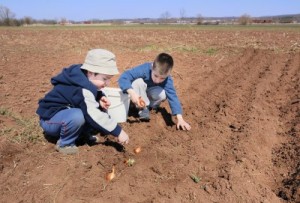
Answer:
x=112 y=9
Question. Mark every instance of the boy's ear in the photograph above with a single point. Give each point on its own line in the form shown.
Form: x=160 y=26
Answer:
x=152 y=67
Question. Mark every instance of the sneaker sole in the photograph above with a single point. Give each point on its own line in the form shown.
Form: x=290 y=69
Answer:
x=65 y=150
x=144 y=119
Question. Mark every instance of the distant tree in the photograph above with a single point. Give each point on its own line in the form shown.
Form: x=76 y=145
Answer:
x=17 y=22
x=6 y=16
x=286 y=19
x=182 y=13
x=27 y=20
x=47 y=22
x=63 y=21
x=199 y=19
x=165 y=16
x=244 y=19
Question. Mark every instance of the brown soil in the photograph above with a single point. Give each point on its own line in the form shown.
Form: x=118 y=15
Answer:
x=240 y=93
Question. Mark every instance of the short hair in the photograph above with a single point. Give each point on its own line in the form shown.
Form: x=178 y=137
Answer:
x=163 y=63
x=85 y=72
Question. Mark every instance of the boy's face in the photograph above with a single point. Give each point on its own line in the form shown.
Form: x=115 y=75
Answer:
x=99 y=80
x=157 y=77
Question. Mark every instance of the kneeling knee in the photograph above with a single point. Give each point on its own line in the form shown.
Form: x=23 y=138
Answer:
x=159 y=97
x=78 y=118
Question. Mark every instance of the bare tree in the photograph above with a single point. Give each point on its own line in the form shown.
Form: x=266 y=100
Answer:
x=165 y=16
x=27 y=20
x=6 y=16
x=199 y=19
x=182 y=13
x=63 y=21
x=245 y=19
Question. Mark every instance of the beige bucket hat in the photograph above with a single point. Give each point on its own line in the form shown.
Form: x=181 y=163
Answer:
x=100 y=61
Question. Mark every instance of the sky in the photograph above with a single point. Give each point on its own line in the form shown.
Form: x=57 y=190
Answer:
x=79 y=10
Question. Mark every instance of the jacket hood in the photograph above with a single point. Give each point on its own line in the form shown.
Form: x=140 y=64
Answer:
x=73 y=76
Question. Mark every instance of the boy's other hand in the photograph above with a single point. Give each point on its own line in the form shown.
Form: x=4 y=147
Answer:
x=135 y=98
x=141 y=103
x=181 y=124
x=104 y=103
x=123 y=138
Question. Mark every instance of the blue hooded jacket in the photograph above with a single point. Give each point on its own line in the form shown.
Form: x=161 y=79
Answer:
x=144 y=71
x=72 y=89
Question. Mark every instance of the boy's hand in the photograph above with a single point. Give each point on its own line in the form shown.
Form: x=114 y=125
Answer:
x=104 y=103
x=136 y=99
x=141 y=103
x=123 y=138
x=182 y=124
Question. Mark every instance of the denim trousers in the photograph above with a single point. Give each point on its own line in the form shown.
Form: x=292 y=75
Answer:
x=152 y=96
x=66 y=125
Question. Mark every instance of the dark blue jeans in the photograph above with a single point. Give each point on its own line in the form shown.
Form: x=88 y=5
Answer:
x=65 y=125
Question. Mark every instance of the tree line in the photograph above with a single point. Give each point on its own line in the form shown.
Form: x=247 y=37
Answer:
x=7 y=18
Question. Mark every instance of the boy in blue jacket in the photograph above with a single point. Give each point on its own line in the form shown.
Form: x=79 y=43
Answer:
x=77 y=102
x=152 y=82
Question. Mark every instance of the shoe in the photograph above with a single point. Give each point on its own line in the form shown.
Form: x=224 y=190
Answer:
x=154 y=108
x=94 y=139
x=66 y=149
x=144 y=114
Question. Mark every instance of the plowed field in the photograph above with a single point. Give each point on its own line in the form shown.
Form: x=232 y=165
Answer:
x=239 y=90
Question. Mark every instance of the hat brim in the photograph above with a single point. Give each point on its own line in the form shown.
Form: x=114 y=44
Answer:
x=102 y=70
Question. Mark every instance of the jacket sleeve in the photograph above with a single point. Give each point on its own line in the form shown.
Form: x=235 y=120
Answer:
x=95 y=117
x=172 y=97
x=129 y=76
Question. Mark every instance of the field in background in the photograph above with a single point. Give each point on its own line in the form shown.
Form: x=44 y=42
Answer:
x=278 y=27
x=239 y=88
